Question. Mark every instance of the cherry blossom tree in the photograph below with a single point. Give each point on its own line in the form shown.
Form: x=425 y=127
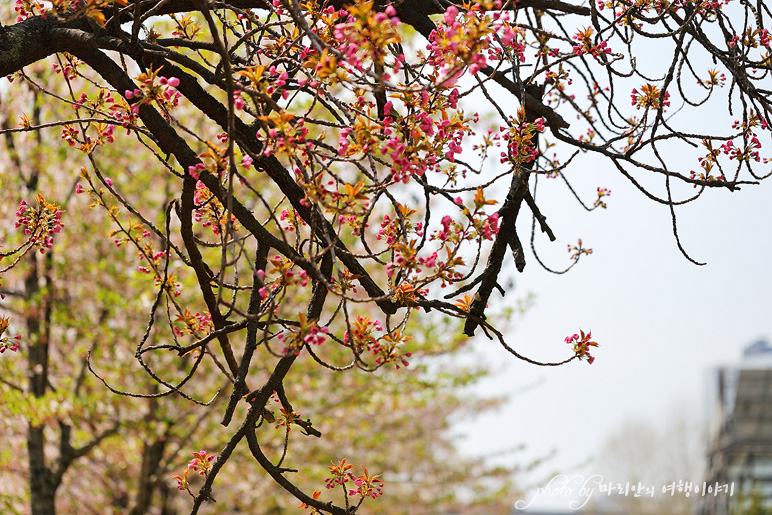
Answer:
x=333 y=175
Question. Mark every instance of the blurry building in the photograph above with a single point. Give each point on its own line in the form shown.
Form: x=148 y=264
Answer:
x=740 y=449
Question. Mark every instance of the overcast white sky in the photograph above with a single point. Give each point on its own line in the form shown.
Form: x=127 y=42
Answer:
x=663 y=323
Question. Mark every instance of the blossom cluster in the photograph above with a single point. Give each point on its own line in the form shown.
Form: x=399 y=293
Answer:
x=28 y=8
x=587 y=46
x=414 y=140
x=209 y=211
x=602 y=193
x=41 y=224
x=154 y=258
x=201 y=463
x=308 y=332
x=340 y=474
x=520 y=136
x=196 y=324
x=581 y=344
x=363 y=486
x=457 y=44
x=367 y=485
x=361 y=37
x=649 y=97
x=578 y=250
x=715 y=78
x=286 y=418
x=744 y=151
x=154 y=88
x=391 y=228
x=11 y=343
x=386 y=348
x=285 y=134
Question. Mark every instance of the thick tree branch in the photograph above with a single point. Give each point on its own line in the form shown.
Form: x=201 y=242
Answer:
x=507 y=235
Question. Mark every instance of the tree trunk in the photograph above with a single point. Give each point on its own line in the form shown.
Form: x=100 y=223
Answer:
x=41 y=479
x=151 y=458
